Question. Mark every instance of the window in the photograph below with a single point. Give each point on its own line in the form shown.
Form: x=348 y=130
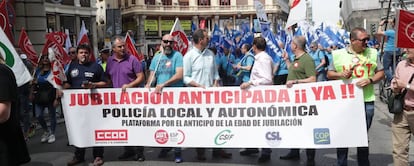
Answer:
x=204 y=2
x=167 y=2
x=224 y=2
x=150 y=2
x=125 y=3
x=51 y=22
x=133 y=2
x=85 y=3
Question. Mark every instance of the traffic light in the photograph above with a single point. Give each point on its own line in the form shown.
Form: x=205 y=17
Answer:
x=373 y=28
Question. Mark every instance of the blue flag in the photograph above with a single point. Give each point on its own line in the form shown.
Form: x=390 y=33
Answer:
x=272 y=47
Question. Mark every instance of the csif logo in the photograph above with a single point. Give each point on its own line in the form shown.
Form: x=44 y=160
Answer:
x=321 y=136
x=111 y=135
x=223 y=136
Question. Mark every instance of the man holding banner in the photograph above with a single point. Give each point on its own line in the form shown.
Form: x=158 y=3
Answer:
x=301 y=71
x=358 y=62
x=84 y=74
x=125 y=71
x=200 y=70
x=167 y=71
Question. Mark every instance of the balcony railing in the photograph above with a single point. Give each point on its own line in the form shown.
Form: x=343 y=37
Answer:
x=148 y=9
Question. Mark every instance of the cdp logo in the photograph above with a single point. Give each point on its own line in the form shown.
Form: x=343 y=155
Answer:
x=223 y=136
x=321 y=136
x=111 y=135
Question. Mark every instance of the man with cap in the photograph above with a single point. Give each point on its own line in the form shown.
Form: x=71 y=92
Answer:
x=105 y=53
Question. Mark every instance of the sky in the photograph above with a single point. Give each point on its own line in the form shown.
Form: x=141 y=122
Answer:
x=326 y=11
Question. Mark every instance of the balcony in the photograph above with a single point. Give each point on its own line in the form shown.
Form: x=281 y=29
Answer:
x=193 y=10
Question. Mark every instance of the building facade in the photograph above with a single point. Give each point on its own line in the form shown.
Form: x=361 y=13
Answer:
x=148 y=20
x=41 y=16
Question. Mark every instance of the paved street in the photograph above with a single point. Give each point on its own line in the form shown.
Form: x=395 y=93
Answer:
x=58 y=153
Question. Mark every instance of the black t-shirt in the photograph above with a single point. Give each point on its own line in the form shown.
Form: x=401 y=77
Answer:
x=77 y=73
x=11 y=134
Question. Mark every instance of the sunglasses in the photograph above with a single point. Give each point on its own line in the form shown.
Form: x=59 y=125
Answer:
x=167 y=41
x=363 y=40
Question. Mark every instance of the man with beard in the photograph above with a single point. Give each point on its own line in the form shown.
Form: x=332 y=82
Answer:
x=125 y=71
x=166 y=70
x=83 y=74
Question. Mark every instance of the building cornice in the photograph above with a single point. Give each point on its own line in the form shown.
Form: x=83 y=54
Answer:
x=71 y=10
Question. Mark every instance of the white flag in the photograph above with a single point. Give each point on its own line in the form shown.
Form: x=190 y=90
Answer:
x=57 y=76
x=181 y=41
x=13 y=60
x=297 y=13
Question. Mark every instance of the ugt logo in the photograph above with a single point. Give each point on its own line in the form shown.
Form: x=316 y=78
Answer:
x=321 y=136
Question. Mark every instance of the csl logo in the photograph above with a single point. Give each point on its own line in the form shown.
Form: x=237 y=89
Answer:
x=273 y=138
x=223 y=136
x=321 y=136
x=161 y=136
x=111 y=135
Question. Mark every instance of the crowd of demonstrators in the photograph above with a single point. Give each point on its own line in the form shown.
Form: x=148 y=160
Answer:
x=44 y=96
x=301 y=71
x=200 y=71
x=345 y=62
x=84 y=74
x=125 y=71
x=13 y=149
x=166 y=70
x=389 y=47
x=403 y=124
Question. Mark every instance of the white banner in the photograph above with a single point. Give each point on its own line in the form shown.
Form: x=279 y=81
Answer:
x=315 y=115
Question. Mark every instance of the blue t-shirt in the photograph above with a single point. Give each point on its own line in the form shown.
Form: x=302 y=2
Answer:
x=42 y=78
x=247 y=60
x=227 y=63
x=77 y=73
x=167 y=67
x=389 y=45
x=317 y=56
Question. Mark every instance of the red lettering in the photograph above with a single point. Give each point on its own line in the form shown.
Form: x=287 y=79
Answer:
x=135 y=98
x=226 y=97
x=328 y=93
x=184 y=99
x=113 y=98
x=72 y=100
x=168 y=98
x=317 y=92
x=270 y=96
x=196 y=97
x=208 y=96
x=245 y=95
x=124 y=99
x=83 y=99
x=257 y=97
x=283 y=96
x=96 y=99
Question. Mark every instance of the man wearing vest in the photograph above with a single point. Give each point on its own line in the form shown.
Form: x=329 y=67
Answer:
x=358 y=62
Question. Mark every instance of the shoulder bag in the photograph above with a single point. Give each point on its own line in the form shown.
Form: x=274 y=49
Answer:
x=396 y=102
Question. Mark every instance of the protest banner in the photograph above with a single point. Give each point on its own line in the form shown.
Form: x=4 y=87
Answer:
x=314 y=115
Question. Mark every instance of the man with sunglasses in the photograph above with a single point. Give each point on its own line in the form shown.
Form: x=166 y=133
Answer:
x=358 y=61
x=125 y=71
x=73 y=57
x=166 y=70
